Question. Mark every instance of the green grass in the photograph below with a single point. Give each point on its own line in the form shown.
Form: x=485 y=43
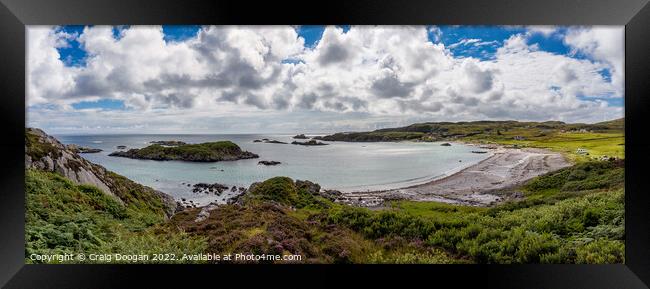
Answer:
x=575 y=215
x=285 y=191
x=568 y=231
x=62 y=217
x=584 y=176
x=597 y=144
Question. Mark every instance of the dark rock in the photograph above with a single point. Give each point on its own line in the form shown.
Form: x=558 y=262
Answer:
x=257 y=140
x=215 y=188
x=81 y=149
x=300 y=136
x=309 y=143
x=311 y=187
x=445 y=144
x=121 y=147
x=268 y=163
x=85 y=150
x=331 y=194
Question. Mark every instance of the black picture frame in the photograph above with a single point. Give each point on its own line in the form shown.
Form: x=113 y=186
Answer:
x=634 y=14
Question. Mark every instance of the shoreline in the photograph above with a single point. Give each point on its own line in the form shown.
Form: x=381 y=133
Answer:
x=475 y=185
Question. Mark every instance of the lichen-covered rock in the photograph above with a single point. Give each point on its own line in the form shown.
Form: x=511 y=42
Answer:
x=46 y=153
x=309 y=186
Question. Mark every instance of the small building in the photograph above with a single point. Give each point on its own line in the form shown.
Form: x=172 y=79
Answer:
x=518 y=137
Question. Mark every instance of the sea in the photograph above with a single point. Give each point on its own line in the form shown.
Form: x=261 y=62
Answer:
x=344 y=166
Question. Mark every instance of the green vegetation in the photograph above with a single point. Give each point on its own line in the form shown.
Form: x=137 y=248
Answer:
x=283 y=190
x=572 y=215
x=35 y=148
x=575 y=215
x=62 y=217
x=204 y=152
x=590 y=175
x=584 y=225
x=281 y=217
x=600 y=139
x=561 y=233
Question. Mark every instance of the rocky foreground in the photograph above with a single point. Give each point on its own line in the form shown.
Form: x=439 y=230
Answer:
x=46 y=153
x=203 y=152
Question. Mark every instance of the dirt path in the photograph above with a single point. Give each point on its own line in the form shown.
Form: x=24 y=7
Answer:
x=475 y=184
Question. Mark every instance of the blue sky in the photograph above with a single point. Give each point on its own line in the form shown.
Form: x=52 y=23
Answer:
x=479 y=42
x=575 y=68
x=455 y=37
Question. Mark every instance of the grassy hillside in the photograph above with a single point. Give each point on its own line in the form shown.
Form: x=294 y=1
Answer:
x=281 y=217
x=62 y=217
x=599 y=139
x=572 y=216
x=575 y=215
x=204 y=152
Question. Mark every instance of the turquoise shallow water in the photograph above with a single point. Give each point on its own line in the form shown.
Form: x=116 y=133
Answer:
x=340 y=165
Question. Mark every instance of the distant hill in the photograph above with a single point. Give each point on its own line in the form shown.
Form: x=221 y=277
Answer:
x=438 y=131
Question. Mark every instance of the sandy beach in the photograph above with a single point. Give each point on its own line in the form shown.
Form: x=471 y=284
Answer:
x=476 y=184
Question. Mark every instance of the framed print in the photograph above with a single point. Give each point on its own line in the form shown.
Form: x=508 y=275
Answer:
x=377 y=140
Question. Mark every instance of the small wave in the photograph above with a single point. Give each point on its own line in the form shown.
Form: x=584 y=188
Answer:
x=97 y=141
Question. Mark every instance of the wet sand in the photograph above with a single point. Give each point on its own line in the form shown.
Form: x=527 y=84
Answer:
x=474 y=185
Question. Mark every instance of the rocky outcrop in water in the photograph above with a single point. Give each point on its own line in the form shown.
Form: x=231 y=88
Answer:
x=205 y=188
x=300 y=136
x=269 y=141
x=81 y=149
x=203 y=152
x=309 y=143
x=268 y=163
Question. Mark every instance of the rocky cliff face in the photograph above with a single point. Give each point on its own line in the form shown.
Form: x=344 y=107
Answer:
x=44 y=152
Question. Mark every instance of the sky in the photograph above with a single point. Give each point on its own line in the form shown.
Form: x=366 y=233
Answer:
x=317 y=79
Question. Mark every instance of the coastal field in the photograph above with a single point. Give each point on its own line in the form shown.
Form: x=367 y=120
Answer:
x=604 y=139
x=564 y=207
